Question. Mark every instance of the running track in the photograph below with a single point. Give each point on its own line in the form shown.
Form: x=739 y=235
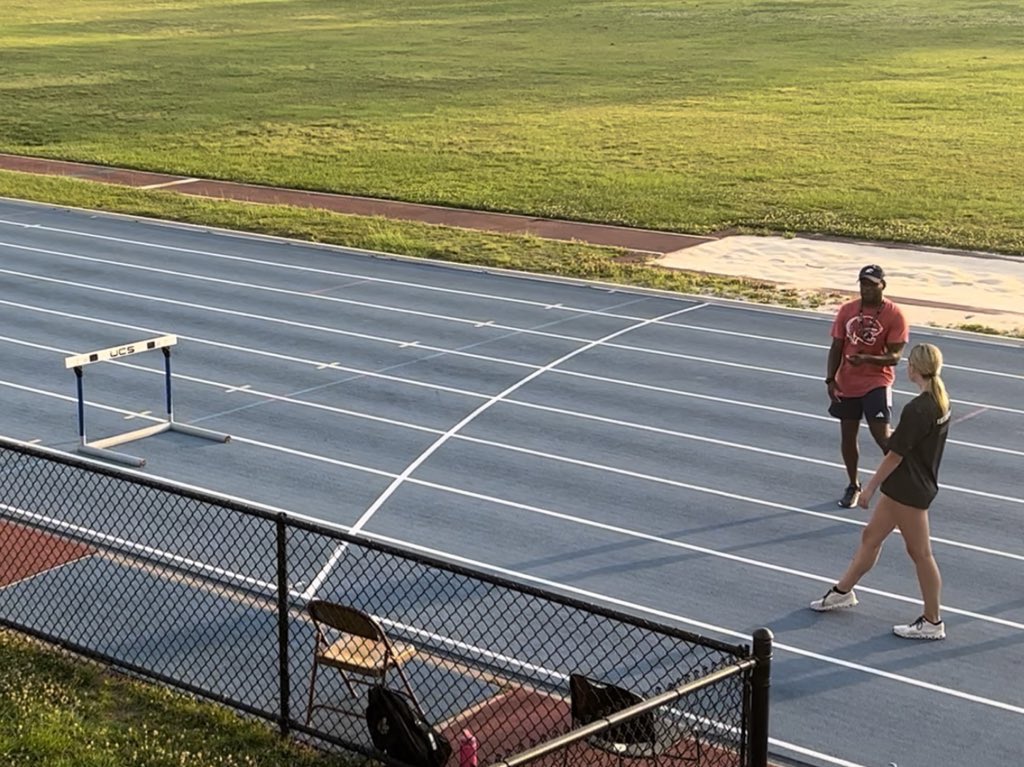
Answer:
x=665 y=455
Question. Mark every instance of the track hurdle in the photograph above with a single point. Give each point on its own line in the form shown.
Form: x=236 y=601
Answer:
x=101 y=447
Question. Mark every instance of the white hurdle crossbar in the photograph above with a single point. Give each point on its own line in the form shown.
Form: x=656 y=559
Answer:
x=100 y=447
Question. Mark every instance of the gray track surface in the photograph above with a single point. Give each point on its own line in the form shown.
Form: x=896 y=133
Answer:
x=684 y=469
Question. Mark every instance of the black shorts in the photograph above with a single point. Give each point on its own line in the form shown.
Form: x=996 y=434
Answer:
x=876 y=405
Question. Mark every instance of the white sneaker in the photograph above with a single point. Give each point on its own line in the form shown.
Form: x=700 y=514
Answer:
x=921 y=629
x=833 y=600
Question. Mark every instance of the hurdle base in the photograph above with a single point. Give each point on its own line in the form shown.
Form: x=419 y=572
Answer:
x=197 y=431
x=111 y=455
x=101 y=447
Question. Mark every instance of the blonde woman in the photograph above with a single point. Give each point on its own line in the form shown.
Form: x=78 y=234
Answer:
x=908 y=479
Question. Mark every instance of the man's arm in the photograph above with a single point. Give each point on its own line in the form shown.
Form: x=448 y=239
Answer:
x=835 y=359
x=892 y=356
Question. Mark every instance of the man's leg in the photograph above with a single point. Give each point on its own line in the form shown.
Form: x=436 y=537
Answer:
x=848 y=430
x=849 y=412
x=881 y=431
x=878 y=413
x=851 y=454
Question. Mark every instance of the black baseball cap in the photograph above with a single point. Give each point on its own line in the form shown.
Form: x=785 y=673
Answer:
x=873 y=273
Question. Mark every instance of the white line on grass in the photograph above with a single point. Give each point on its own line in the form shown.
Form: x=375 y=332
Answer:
x=166 y=184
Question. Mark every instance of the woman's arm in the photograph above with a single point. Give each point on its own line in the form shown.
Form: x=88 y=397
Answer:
x=885 y=468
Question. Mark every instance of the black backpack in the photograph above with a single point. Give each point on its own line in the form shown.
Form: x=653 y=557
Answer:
x=401 y=733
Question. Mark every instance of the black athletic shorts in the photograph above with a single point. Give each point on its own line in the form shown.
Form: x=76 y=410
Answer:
x=876 y=405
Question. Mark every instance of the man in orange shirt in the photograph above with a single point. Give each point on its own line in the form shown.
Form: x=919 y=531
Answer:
x=868 y=336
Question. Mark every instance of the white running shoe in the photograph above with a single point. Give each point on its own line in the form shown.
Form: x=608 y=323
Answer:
x=921 y=629
x=834 y=600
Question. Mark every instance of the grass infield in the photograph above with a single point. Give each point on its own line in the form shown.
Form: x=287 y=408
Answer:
x=893 y=120
x=59 y=711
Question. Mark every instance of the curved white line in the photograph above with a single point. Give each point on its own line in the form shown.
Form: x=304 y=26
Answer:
x=454 y=430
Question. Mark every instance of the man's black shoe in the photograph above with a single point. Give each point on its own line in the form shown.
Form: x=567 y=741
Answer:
x=850 y=497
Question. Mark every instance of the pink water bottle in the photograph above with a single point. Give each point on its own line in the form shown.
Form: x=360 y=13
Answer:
x=468 y=749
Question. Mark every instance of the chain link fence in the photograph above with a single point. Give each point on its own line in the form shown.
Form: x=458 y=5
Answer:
x=209 y=594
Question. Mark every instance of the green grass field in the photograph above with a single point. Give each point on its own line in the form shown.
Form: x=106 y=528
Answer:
x=895 y=119
x=57 y=711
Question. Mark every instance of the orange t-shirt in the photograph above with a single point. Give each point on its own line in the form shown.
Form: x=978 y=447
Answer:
x=867 y=330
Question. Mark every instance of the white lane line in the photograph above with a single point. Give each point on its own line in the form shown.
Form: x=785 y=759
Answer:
x=476 y=323
x=561 y=337
x=177 y=560
x=264 y=318
x=792 y=374
x=454 y=430
x=703 y=626
x=825 y=347
x=715 y=553
x=220 y=496
x=569 y=518
x=721 y=443
x=269 y=446
x=524 y=450
x=98 y=537
x=457 y=292
x=65 y=564
x=301 y=268
x=320 y=365
x=599 y=467
x=700 y=625
x=792 y=747
x=165 y=184
x=246 y=388
x=969 y=416
x=746 y=404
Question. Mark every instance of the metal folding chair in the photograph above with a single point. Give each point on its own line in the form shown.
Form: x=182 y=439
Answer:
x=353 y=642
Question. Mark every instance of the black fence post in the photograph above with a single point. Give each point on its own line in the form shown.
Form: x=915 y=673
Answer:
x=282 y=625
x=760 y=684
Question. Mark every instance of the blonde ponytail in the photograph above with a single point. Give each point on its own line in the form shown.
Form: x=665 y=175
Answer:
x=926 y=359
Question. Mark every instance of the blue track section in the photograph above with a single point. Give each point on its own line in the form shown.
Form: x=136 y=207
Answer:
x=667 y=456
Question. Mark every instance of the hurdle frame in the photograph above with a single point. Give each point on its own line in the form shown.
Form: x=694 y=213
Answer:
x=101 y=448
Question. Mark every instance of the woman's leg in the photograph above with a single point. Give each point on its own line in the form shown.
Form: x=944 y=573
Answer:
x=882 y=523
x=913 y=524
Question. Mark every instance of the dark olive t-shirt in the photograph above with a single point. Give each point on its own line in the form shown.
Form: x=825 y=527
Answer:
x=920 y=439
